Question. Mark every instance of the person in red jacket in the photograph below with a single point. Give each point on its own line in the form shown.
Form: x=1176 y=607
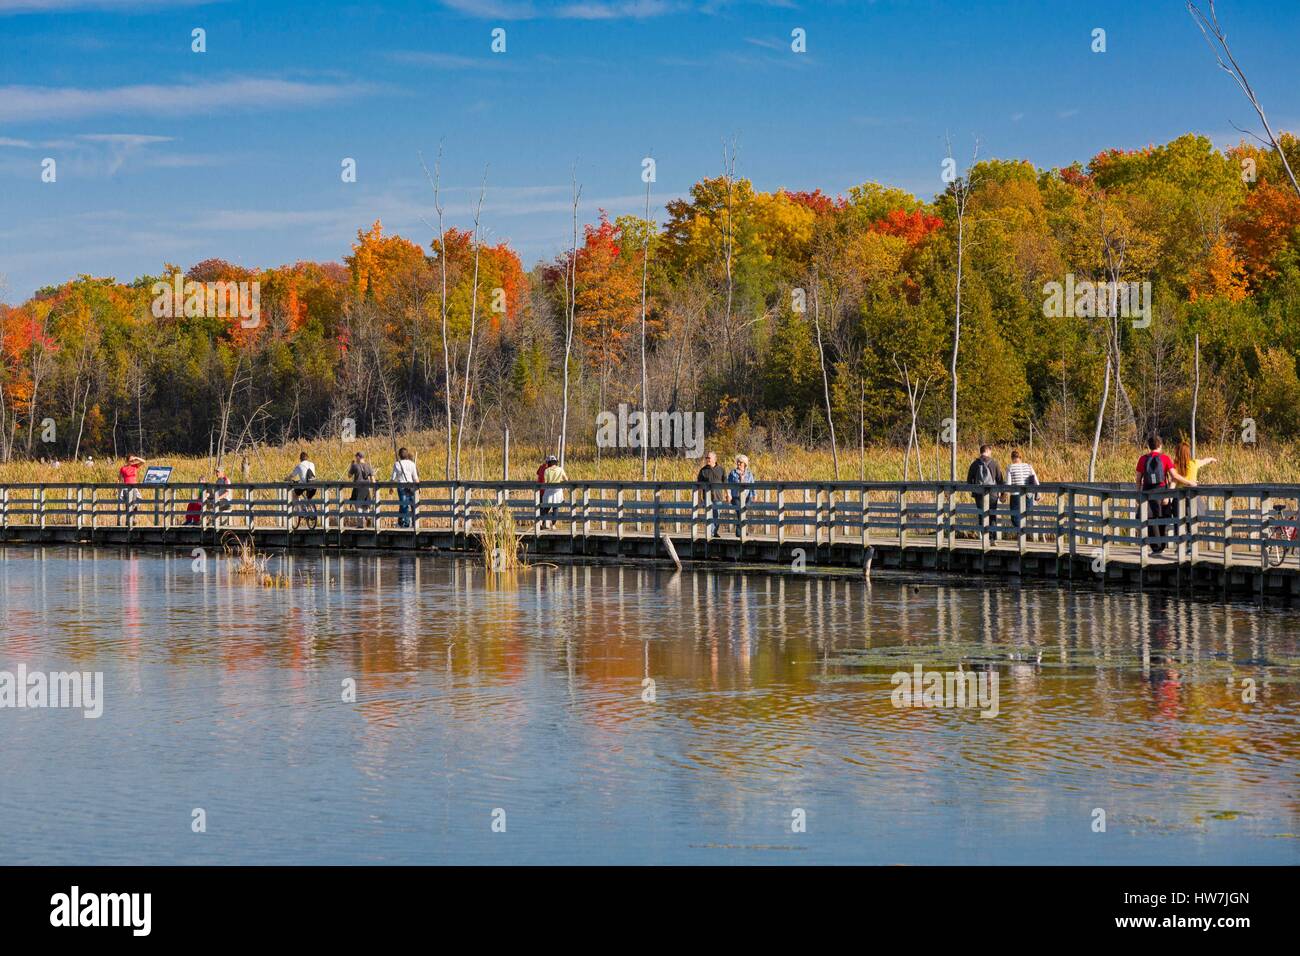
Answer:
x=1157 y=470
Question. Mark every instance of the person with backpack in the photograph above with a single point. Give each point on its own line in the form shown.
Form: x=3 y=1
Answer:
x=985 y=470
x=303 y=474
x=1156 y=470
x=362 y=477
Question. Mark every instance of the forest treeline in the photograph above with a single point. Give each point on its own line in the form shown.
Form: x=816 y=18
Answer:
x=780 y=315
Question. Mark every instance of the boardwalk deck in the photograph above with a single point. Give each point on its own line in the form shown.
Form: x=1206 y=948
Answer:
x=1237 y=539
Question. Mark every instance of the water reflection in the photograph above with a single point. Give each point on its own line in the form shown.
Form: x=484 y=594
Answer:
x=527 y=693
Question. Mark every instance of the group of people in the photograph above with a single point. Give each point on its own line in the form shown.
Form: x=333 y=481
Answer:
x=711 y=474
x=1155 y=471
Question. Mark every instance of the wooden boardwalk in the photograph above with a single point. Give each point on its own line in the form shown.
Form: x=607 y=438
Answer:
x=1236 y=539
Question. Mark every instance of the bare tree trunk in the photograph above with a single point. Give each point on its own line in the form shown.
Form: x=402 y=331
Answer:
x=1218 y=43
x=1101 y=417
x=826 y=382
x=1196 y=390
x=962 y=193
x=645 y=279
x=473 y=322
x=570 y=311
x=729 y=173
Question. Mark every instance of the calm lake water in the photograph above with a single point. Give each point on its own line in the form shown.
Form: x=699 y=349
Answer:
x=772 y=694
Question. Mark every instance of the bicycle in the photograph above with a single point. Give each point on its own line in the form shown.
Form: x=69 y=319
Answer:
x=1284 y=535
x=303 y=508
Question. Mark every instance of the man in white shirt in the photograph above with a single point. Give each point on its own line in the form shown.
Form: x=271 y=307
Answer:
x=404 y=473
x=302 y=476
x=304 y=472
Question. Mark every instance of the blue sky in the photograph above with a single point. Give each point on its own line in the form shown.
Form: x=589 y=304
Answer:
x=166 y=155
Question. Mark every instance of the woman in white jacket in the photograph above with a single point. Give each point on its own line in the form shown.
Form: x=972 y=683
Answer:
x=404 y=473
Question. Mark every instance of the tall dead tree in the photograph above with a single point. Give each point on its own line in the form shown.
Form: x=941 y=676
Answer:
x=645 y=283
x=826 y=381
x=1218 y=43
x=473 y=327
x=961 y=190
x=570 y=313
x=442 y=261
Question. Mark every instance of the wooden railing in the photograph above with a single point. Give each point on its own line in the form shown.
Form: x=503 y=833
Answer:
x=1234 y=525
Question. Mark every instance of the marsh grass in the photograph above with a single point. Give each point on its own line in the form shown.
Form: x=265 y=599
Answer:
x=249 y=562
x=1237 y=464
x=499 y=538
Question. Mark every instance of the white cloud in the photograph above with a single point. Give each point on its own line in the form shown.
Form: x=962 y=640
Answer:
x=26 y=103
x=446 y=61
x=61 y=6
x=590 y=10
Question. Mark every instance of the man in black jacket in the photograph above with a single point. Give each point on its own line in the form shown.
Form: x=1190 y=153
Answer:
x=711 y=474
x=985 y=471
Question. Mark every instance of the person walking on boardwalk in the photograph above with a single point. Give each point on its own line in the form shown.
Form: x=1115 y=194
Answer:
x=129 y=474
x=407 y=477
x=552 y=498
x=1020 y=473
x=1156 y=470
x=740 y=476
x=222 y=498
x=710 y=475
x=985 y=470
x=362 y=477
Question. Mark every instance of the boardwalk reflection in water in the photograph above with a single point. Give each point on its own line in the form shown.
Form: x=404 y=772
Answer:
x=527 y=694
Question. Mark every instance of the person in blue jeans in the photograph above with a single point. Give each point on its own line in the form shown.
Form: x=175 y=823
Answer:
x=710 y=476
x=405 y=474
x=740 y=476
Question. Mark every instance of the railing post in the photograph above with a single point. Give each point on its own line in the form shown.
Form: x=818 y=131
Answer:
x=618 y=518
x=830 y=514
x=42 y=509
x=741 y=514
x=655 y=519
x=1265 y=505
x=985 y=519
x=1022 y=512
x=80 y=490
x=865 y=509
x=586 y=515
x=780 y=516
x=902 y=518
x=1227 y=530
x=1060 y=529
x=695 y=510
x=1106 y=509
x=1193 y=522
